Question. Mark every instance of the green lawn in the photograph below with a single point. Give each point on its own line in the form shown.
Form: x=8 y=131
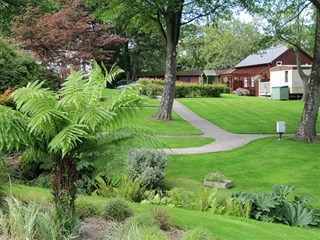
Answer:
x=255 y=167
x=186 y=142
x=176 y=127
x=221 y=227
x=151 y=102
x=247 y=114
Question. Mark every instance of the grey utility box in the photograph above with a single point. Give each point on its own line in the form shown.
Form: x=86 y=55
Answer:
x=280 y=93
x=281 y=127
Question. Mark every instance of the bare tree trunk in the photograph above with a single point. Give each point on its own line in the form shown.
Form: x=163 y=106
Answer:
x=127 y=62
x=307 y=128
x=64 y=179
x=166 y=104
x=304 y=78
x=172 y=33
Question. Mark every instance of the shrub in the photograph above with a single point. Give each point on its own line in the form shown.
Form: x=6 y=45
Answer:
x=182 y=198
x=153 y=90
x=162 y=217
x=242 y=92
x=17 y=69
x=147 y=165
x=117 y=209
x=274 y=207
x=197 y=90
x=197 y=234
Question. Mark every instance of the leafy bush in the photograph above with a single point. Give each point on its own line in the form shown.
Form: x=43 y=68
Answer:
x=147 y=165
x=124 y=188
x=197 y=234
x=274 y=207
x=17 y=69
x=197 y=90
x=154 y=90
x=31 y=221
x=162 y=217
x=117 y=209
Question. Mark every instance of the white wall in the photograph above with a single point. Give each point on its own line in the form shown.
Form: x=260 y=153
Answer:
x=277 y=78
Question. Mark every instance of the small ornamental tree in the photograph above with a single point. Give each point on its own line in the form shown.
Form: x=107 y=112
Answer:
x=68 y=37
x=61 y=127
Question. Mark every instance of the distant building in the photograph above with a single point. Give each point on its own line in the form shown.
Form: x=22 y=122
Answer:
x=253 y=73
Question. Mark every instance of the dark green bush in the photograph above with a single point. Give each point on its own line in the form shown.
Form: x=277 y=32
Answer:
x=198 y=90
x=117 y=209
x=17 y=69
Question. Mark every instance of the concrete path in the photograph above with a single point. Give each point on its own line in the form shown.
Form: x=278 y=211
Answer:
x=224 y=140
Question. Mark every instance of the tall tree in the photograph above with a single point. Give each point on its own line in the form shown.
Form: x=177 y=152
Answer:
x=142 y=35
x=170 y=15
x=10 y=9
x=281 y=22
x=68 y=37
x=219 y=46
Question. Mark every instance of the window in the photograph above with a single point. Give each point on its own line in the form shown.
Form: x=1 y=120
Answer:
x=252 y=82
x=245 y=84
x=286 y=76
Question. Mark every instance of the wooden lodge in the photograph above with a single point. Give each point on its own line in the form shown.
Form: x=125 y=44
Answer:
x=253 y=73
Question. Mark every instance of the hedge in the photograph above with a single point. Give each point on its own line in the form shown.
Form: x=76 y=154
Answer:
x=154 y=87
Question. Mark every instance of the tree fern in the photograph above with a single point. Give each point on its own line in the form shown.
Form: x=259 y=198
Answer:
x=13 y=127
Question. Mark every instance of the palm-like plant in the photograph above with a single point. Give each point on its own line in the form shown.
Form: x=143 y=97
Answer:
x=60 y=126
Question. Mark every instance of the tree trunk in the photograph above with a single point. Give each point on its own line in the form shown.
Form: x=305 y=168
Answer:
x=64 y=184
x=303 y=76
x=307 y=128
x=127 y=62
x=172 y=37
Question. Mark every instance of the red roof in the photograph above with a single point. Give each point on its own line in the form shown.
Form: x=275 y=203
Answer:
x=249 y=72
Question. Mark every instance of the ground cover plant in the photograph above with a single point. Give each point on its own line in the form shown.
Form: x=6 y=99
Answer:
x=247 y=114
x=220 y=227
x=255 y=167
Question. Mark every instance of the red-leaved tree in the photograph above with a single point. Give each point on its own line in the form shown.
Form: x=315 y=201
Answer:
x=68 y=38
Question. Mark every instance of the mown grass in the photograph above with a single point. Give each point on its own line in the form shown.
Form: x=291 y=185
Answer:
x=255 y=167
x=150 y=102
x=221 y=227
x=178 y=126
x=247 y=114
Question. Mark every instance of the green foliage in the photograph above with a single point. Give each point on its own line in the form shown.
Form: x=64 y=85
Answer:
x=197 y=234
x=126 y=188
x=274 y=207
x=215 y=177
x=147 y=165
x=31 y=221
x=191 y=90
x=61 y=127
x=117 y=209
x=17 y=69
x=140 y=233
x=3 y=177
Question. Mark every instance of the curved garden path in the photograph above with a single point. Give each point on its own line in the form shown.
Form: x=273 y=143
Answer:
x=224 y=140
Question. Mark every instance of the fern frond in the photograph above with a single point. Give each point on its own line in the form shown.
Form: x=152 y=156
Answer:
x=68 y=139
x=13 y=129
x=94 y=117
x=33 y=99
x=124 y=105
x=72 y=92
x=97 y=82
